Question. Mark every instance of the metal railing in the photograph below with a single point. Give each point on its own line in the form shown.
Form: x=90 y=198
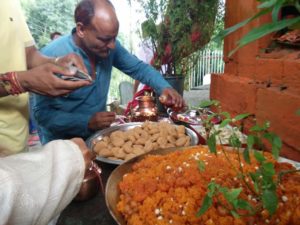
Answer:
x=206 y=63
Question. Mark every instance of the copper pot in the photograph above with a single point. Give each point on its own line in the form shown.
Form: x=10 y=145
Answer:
x=146 y=109
x=90 y=185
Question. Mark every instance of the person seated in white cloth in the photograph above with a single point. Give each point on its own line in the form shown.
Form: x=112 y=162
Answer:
x=34 y=186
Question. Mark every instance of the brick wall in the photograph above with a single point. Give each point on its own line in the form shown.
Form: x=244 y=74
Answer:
x=265 y=84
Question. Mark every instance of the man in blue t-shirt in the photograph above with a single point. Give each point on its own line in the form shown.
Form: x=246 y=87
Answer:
x=82 y=112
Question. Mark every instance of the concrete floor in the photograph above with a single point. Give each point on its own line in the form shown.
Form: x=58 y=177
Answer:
x=194 y=97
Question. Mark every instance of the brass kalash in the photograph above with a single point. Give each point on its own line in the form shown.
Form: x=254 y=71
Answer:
x=146 y=109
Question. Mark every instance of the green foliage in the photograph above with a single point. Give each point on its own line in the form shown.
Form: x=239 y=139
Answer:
x=173 y=38
x=262 y=183
x=266 y=6
x=47 y=16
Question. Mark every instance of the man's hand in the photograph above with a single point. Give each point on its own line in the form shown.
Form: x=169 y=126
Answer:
x=86 y=153
x=170 y=97
x=101 y=120
x=42 y=80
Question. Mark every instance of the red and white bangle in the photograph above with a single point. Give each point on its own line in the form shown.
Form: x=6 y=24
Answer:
x=11 y=84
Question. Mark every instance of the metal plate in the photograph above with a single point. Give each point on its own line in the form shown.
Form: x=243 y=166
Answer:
x=91 y=141
x=112 y=191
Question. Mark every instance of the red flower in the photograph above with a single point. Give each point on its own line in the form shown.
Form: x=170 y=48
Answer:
x=195 y=36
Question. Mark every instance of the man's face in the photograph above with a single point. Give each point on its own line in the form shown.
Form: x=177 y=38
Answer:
x=100 y=38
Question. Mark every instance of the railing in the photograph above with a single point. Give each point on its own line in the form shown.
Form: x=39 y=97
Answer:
x=207 y=62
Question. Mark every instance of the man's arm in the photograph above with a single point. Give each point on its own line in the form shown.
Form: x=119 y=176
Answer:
x=60 y=123
x=138 y=70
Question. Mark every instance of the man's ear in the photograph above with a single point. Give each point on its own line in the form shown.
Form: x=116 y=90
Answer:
x=80 y=30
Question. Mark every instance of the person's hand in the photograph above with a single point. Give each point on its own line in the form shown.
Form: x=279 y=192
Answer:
x=171 y=98
x=42 y=80
x=101 y=120
x=88 y=155
x=69 y=60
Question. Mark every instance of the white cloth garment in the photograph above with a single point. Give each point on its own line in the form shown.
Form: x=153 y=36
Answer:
x=36 y=186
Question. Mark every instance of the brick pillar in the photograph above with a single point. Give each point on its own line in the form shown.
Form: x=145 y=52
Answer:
x=265 y=84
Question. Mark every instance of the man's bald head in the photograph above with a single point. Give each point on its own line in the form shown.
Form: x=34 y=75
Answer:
x=86 y=10
x=97 y=27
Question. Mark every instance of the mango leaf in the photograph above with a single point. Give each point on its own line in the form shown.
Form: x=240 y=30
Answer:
x=241 y=116
x=201 y=165
x=259 y=156
x=263 y=30
x=224 y=123
x=211 y=142
x=270 y=201
x=207 y=202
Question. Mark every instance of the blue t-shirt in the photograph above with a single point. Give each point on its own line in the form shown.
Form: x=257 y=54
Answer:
x=68 y=116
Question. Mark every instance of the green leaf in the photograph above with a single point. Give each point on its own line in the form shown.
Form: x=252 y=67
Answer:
x=246 y=155
x=298 y=112
x=242 y=204
x=230 y=30
x=235 y=141
x=212 y=186
x=256 y=128
x=207 y=103
x=227 y=115
x=275 y=142
x=276 y=9
x=267 y=4
x=224 y=123
x=259 y=156
x=263 y=30
x=241 y=116
x=201 y=165
x=234 y=214
x=211 y=142
x=276 y=146
x=207 y=202
x=268 y=169
x=250 y=141
x=232 y=194
x=270 y=201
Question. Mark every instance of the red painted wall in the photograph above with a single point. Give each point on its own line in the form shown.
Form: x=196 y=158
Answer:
x=265 y=84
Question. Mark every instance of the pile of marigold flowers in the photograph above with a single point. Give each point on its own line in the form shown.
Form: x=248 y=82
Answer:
x=169 y=189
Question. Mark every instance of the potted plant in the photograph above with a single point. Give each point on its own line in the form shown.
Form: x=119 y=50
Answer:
x=176 y=29
x=281 y=21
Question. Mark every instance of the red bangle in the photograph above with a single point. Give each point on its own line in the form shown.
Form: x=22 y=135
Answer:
x=11 y=84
